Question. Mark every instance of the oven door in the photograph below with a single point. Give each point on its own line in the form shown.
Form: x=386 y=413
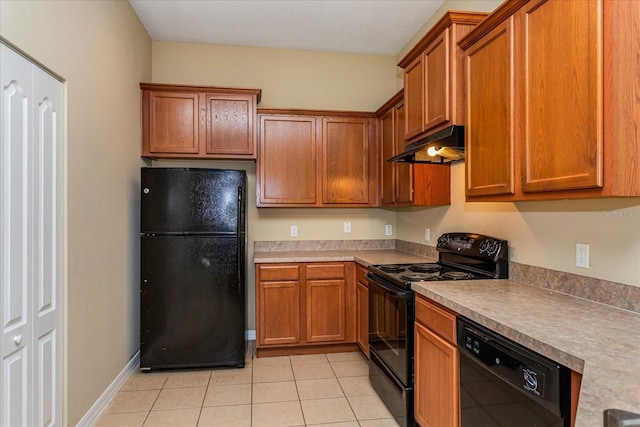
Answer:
x=391 y=326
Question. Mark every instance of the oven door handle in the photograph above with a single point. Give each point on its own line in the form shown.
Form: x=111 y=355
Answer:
x=378 y=282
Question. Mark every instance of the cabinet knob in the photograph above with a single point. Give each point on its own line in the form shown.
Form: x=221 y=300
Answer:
x=145 y=191
x=17 y=339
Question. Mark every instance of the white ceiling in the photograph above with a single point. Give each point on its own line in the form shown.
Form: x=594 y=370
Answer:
x=380 y=27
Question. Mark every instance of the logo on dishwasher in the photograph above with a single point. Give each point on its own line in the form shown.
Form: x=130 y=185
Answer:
x=530 y=380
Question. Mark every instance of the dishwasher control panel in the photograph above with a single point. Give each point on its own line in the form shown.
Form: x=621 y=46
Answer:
x=508 y=364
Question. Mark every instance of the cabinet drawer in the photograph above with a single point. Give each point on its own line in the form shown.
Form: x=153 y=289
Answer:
x=360 y=273
x=326 y=271
x=278 y=272
x=437 y=318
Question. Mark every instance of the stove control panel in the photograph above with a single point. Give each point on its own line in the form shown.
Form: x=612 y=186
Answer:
x=475 y=245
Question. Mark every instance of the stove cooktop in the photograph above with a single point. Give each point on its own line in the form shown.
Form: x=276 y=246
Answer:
x=461 y=256
x=405 y=273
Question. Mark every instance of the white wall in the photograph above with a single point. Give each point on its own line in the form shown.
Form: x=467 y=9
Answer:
x=543 y=234
x=288 y=78
x=103 y=52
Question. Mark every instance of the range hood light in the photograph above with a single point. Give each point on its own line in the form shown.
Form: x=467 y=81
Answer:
x=433 y=151
x=444 y=146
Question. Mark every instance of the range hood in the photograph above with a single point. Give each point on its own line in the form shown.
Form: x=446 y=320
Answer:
x=445 y=146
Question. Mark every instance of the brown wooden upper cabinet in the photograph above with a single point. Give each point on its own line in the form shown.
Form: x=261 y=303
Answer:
x=433 y=76
x=406 y=184
x=552 y=113
x=316 y=159
x=198 y=122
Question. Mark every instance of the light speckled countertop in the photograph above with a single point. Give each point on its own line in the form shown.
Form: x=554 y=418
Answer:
x=599 y=341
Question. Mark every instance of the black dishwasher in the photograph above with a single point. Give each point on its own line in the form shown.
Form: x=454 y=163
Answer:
x=503 y=384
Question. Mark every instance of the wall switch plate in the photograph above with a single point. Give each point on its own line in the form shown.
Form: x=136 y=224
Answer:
x=388 y=230
x=294 y=231
x=582 y=255
x=427 y=234
x=347 y=227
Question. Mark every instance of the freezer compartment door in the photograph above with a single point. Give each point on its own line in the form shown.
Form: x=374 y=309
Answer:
x=184 y=201
x=192 y=302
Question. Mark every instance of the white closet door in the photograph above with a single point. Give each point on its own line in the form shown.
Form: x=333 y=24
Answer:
x=31 y=243
x=47 y=250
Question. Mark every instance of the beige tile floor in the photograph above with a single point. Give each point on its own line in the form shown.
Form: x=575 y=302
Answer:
x=315 y=390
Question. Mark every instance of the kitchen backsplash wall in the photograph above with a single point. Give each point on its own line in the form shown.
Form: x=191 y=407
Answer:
x=611 y=293
x=324 y=245
x=542 y=234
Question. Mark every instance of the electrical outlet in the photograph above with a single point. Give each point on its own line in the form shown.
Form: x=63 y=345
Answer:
x=582 y=255
x=347 y=227
x=427 y=234
x=294 y=231
x=388 y=230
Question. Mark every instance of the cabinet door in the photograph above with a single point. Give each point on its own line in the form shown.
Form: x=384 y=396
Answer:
x=362 y=308
x=173 y=123
x=403 y=171
x=414 y=98
x=436 y=380
x=388 y=149
x=490 y=131
x=561 y=99
x=326 y=310
x=279 y=312
x=230 y=125
x=437 y=82
x=287 y=164
x=345 y=166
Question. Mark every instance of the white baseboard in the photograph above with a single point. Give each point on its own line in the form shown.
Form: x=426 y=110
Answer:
x=94 y=412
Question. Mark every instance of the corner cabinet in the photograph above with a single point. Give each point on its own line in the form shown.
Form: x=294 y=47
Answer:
x=436 y=366
x=316 y=159
x=186 y=122
x=305 y=307
x=433 y=76
x=406 y=184
x=564 y=116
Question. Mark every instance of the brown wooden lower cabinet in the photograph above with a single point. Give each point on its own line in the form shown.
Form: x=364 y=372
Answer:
x=305 y=308
x=362 y=310
x=436 y=366
x=437 y=375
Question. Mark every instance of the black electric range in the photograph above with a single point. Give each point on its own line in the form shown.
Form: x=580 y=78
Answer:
x=461 y=256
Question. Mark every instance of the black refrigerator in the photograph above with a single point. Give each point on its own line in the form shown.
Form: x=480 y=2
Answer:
x=192 y=268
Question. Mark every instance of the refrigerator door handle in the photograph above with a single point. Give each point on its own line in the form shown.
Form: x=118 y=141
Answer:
x=240 y=236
